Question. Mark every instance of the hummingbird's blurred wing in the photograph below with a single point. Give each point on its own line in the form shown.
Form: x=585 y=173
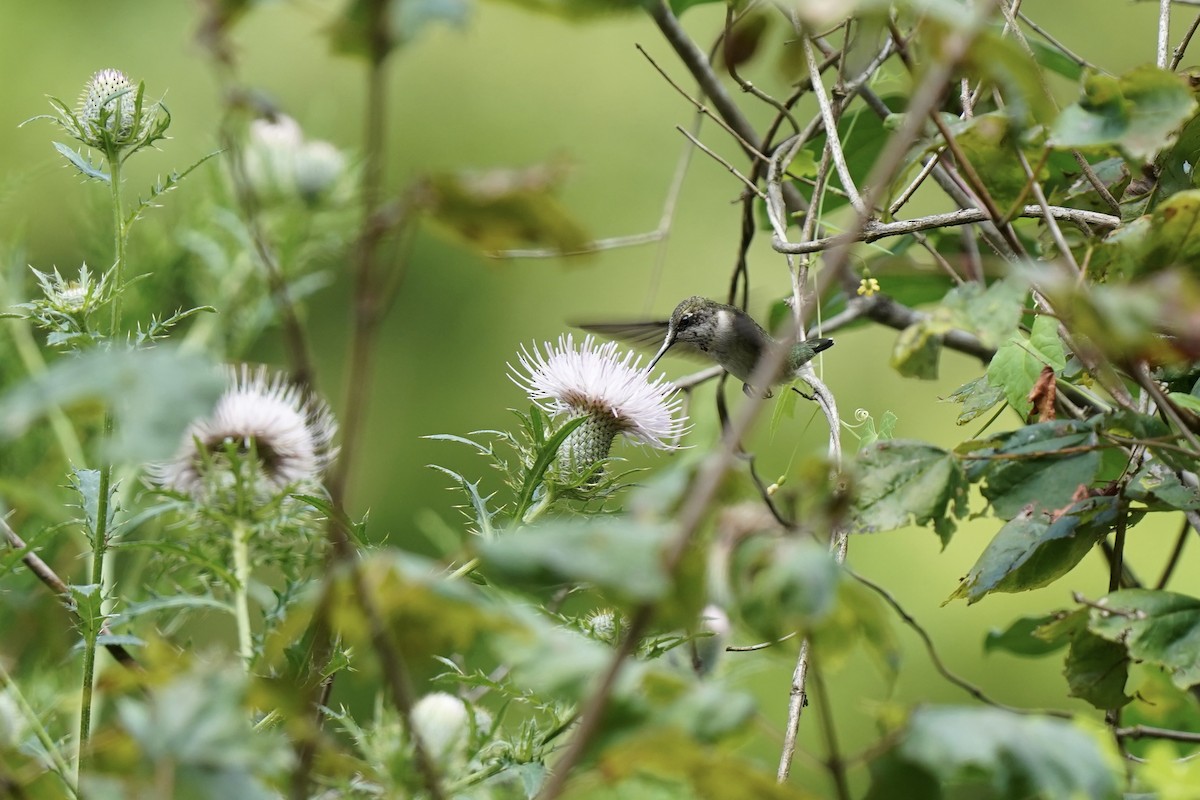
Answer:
x=649 y=335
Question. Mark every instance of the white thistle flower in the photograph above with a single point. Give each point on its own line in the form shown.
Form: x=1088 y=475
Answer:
x=290 y=431
x=615 y=394
x=443 y=723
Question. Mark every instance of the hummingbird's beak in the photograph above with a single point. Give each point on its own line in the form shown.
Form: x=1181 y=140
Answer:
x=670 y=340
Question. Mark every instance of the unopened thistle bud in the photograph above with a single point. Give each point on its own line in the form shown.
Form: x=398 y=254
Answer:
x=108 y=102
x=441 y=720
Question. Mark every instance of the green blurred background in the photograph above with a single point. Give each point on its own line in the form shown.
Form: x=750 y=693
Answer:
x=513 y=88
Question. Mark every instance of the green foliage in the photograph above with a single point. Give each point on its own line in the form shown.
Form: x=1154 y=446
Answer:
x=575 y=625
x=987 y=749
x=153 y=394
x=1138 y=112
x=902 y=482
x=1157 y=627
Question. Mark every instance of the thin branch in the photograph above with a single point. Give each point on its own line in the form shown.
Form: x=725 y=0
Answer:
x=1164 y=32
x=660 y=233
x=938 y=664
x=1148 y=732
x=930 y=164
x=834 y=762
x=44 y=573
x=1055 y=43
x=832 y=142
x=750 y=149
x=1177 y=56
x=700 y=145
x=1176 y=552
x=873 y=231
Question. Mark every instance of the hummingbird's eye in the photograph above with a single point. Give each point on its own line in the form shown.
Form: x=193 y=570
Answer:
x=685 y=320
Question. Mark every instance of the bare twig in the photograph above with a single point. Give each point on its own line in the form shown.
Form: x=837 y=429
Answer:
x=832 y=143
x=43 y=572
x=1055 y=43
x=1148 y=732
x=938 y=664
x=746 y=181
x=1177 y=56
x=702 y=108
x=834 y=762
x=873 y=231
x=1173 y=560
x=659 y=234
x=1164 y=32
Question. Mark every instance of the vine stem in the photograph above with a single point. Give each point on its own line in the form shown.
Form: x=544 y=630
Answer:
x=241 y=598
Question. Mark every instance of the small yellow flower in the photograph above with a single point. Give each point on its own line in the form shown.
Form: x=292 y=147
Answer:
x=867 y=287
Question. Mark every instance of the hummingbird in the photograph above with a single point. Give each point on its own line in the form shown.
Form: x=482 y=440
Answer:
x=714 y=332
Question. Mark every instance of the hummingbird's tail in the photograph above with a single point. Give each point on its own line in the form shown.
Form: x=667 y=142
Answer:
x=803 y=352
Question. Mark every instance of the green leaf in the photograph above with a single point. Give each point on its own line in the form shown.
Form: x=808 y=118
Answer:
x=153 y=394
x=1139 y=112
x=708 y=773
x=1158 y=627
x=1041 y=465
x=500 y=209
x=1096 y=671
x=1009 y=756
x=1033 y=549
x=482 y=514
x=556 y=661
x=357 y=32
x=616 y=554
x=541 y=462
x=917 y=351
x=193 y=734
x=991 y=148
x=1055 y=60
x=1019 y=361
x=902 y=482
x=427 y=613
x=80 y=163
x=783 y=585
x=85 y=602
x=579 y=9
x=976 y=396
x=991 y=313
x=1160 y=489
x=1019 y=638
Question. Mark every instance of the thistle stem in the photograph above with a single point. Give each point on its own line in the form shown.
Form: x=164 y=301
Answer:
x=241 y=597
x=101 y=533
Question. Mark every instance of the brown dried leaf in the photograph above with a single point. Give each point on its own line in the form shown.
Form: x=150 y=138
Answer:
x=1042 y=395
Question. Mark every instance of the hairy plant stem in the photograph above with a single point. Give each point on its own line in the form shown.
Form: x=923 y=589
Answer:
x=241 y=597
x=101 y=532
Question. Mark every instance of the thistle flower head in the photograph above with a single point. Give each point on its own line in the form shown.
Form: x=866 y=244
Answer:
x=108 y=101
x=614 y=394
x=112 y=117
x=288 y=431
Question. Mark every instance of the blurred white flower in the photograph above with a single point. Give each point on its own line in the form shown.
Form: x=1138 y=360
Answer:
x=280 y=162
x=614 y=393
x=441 y=720
x=291 y=433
